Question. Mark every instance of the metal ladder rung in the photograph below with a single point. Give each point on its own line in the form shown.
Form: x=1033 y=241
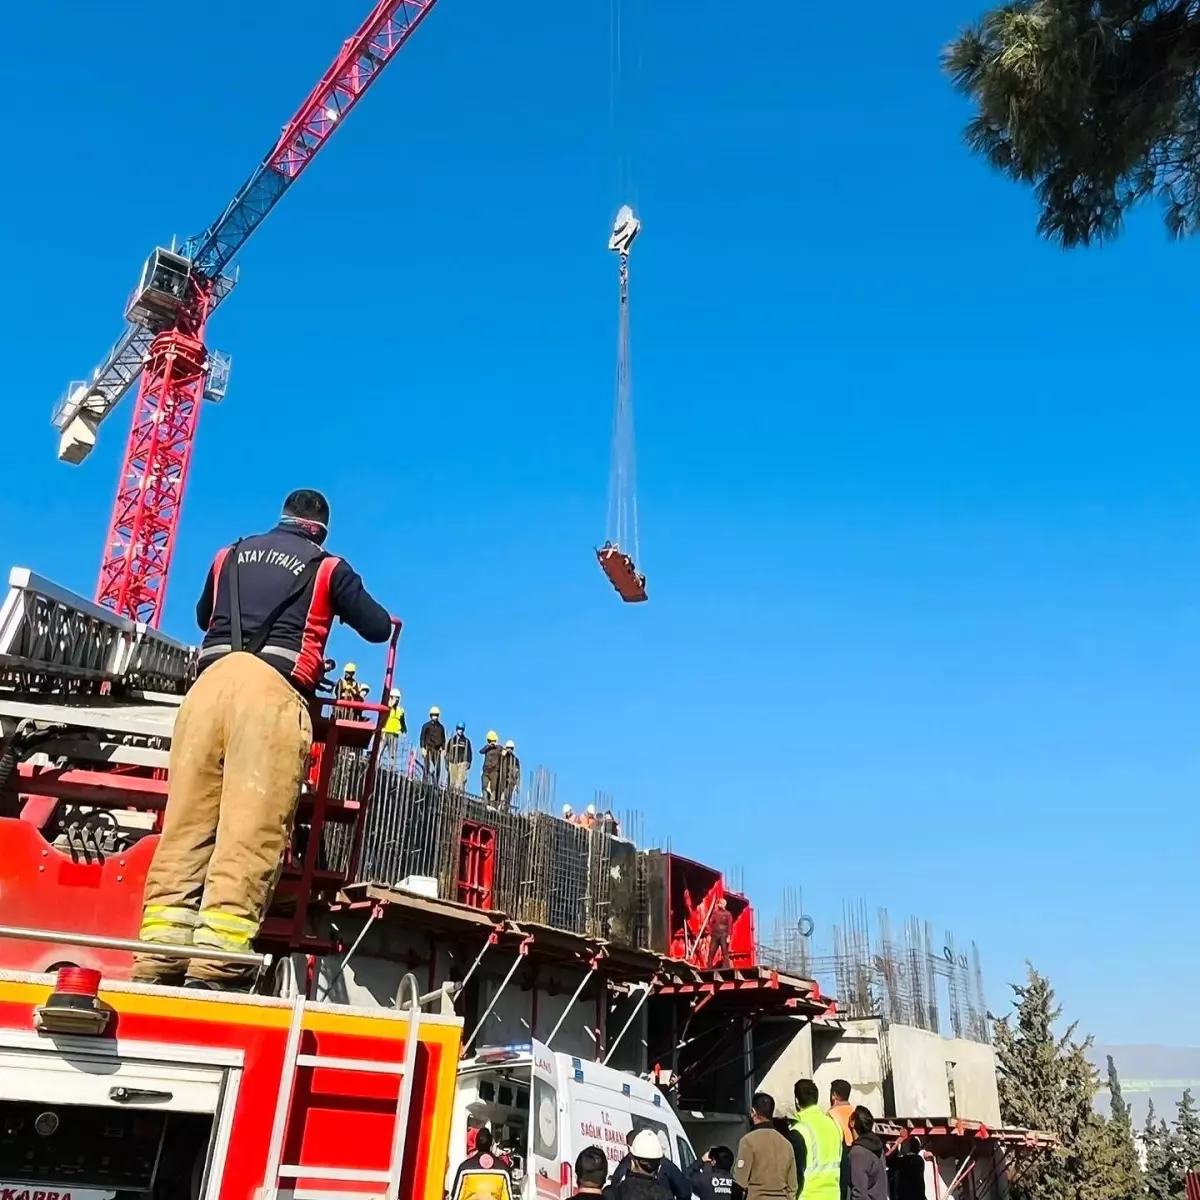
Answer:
x=276 y=1170
x=349 y=1064
x=344 y=1174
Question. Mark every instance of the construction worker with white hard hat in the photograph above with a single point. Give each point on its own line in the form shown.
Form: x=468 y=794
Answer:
x=433 y=746
x=395 y=726
x=647 y=1172
x=240 y=746
x=509 y=773
x=490 y=770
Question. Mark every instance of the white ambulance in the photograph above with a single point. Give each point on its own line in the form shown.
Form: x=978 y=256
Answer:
x=543 y=1108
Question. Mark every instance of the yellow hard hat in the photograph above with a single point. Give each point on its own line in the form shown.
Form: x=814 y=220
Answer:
x=350 y=668
x=493 y=736
x=435 y=711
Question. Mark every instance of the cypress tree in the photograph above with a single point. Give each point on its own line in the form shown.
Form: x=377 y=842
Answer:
x=1185 y=1142
x=1047 y=1082
x=1156 y=1141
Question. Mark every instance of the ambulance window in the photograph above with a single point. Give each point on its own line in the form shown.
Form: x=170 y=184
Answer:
x=544 y=1137
x=686 y=1154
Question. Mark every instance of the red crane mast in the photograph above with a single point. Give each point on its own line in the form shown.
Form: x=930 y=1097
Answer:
x=164 y=343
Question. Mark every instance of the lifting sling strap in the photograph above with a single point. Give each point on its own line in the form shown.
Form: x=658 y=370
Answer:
x=258 y=639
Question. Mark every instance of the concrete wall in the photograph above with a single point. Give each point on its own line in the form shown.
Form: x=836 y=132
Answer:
x=920 y=1076
x=902 y=1072
x=853 y=1054
x=794 y=1061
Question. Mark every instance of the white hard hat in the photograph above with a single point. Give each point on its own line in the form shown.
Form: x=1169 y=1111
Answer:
x=567 y=810
x=591 y=810
x=510 y=744
x=646 y=1145
x=395 y=692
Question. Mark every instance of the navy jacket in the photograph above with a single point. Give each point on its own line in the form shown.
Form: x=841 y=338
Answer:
x=269 y=565
x=669 y=1176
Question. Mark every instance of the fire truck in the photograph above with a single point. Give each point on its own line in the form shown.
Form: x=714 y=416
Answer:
x=110 y=1088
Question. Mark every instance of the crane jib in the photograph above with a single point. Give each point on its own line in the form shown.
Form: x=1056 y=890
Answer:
x=358 y=65
x=362 y=57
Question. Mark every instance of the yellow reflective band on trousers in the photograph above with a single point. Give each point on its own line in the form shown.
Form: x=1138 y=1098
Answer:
x=823 y=1146
x=168 y=924
x=225 y=931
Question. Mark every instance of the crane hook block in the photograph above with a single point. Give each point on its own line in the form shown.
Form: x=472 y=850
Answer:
x=625 y=228
x=622 y=574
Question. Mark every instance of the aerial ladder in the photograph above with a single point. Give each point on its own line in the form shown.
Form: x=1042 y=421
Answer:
x=164 y=348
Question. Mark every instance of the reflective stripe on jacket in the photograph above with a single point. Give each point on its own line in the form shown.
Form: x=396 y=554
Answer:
x=823 y=1149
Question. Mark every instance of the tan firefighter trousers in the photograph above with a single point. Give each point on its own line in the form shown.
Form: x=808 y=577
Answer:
x=238 y=758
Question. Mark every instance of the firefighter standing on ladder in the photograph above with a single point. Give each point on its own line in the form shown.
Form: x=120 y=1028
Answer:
x=242 y=738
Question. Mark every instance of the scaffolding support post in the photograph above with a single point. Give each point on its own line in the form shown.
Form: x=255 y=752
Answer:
x=637 y=1008
x=522 y=951
x=376 y=913
x=492 y=939
x=587 y=975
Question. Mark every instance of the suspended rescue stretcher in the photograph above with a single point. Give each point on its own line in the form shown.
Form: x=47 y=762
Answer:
x=616 y=556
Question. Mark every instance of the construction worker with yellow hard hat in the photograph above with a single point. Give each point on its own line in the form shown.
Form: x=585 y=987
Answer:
x=433 y=746
x=490 y=770
x=348 y=688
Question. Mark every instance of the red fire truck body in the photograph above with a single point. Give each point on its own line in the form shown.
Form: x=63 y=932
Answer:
x=114 y=1089
x=181 y=1096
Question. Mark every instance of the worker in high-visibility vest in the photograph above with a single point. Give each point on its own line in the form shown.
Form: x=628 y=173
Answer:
x=823 y=1145
x=395 y=726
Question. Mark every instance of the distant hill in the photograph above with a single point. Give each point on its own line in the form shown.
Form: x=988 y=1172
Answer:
x=1158 y=1073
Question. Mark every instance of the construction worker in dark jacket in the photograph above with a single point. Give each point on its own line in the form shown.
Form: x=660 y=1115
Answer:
x=720 y=929
x=241 y=741
x=490 y=771
x=458 y=758
x=867 y=1167
x=509 y=773
x=433 y=745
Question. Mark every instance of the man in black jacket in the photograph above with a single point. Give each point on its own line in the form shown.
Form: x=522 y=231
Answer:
x=867 y=1169
x=458 y=758
x=712 y=1178
x=240 y=746
x=645 y=1173
x=433 y=746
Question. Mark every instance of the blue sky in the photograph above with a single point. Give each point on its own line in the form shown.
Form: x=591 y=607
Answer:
x=919 y=492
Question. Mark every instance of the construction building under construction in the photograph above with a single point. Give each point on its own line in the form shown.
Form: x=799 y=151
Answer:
x=542 y=929
x=530 y=926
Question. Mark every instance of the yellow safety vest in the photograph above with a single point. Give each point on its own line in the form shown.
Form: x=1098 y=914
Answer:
x=394 y=718
x=823 y=1146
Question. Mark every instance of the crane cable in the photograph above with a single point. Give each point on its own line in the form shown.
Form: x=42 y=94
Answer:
x=621 y=527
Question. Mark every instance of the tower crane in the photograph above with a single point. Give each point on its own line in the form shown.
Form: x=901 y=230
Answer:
x=164 y=348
